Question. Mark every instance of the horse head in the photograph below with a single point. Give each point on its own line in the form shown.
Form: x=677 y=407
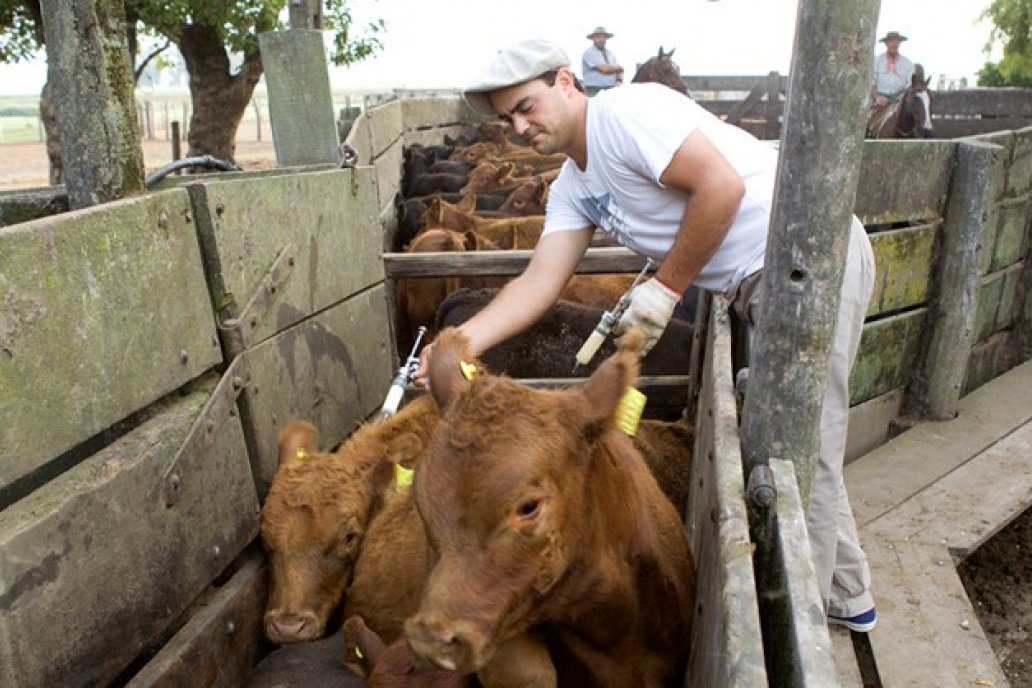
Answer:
x=663 y=70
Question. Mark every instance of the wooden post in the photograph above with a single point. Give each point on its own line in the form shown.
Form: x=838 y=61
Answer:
x=306 y=14
x=772 y=128
x=257 y=118
x=177 y=144
x=92 y=80
x=304 y=131
x=809 y=232
x=934 y=392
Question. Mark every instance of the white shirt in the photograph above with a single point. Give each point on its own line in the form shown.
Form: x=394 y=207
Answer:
x=593 y=57
x=632 y=134
x=892 y=84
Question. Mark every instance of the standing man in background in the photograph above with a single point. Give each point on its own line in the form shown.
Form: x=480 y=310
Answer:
x=599 y=65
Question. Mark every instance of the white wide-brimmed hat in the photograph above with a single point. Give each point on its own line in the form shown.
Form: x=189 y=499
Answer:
x=514 y=64
x=600 y=30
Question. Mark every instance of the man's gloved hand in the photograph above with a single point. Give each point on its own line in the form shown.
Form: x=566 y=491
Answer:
x=651 y=307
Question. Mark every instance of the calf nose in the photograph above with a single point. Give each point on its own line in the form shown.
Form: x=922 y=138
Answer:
x=449 y=645
x=283 y=628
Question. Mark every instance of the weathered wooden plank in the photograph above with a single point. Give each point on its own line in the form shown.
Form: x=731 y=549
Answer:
x=1005 y=312
x=435 y=136
x=388 y=167
x=802 y=610
x=904 y=267
x=728 y=83
x=595 y=260
x=174 y=181
x=727 y=647
x=332 y=370
x=1019 y=169
x=946 y=344
x=967 y=126
x=902 y=180
x=984 y=101
x=221 y=643
x=23 y=205
x=95 y=566
x=358 y=138
x=892 y=473
x=104 y=311
x=988 y=359
x=1011 y=236
x=385 y=127
x=888 y=350
x=422 y=113
x=869 y=423
x=304 y=129
x=324 y=220
x=990 y=293
x=922 y=639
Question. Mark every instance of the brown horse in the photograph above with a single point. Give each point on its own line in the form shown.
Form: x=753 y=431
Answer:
x=663 y=70
x=907 y=118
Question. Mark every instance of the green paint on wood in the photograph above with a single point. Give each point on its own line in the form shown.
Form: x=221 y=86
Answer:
x=904 y=266
x=888 y=350
x=98 y=547
x=989 y=296
x=102 y=311
x=1011 y=237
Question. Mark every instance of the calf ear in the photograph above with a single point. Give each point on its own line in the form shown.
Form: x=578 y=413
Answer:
x=297 y=439
x=361 y=644
x=603 y=391
x=450 y=360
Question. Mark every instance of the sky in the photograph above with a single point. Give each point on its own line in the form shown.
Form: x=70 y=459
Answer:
x=443 y=44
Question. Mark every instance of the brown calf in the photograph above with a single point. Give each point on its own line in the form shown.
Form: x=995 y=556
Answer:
x=318 y=509
x=542 y=517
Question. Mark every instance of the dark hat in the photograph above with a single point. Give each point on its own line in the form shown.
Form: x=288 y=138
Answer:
x=600 y=30
x=513 y=65
x=892 y=34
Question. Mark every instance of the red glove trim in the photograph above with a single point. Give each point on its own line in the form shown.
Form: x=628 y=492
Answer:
x=678 y=294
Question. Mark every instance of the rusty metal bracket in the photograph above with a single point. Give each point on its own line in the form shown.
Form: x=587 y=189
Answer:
x=201 y=437
x=238 y=332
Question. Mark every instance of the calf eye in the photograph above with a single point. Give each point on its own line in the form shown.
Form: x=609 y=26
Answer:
x=528 y=508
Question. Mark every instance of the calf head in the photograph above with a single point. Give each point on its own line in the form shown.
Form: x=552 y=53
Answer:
x=317 y=511
x=394 y=665
x=503 y=491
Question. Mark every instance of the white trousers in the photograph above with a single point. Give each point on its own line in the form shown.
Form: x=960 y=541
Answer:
x=841 y=565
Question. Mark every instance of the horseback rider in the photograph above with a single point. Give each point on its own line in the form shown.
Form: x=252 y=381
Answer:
x=893 y=73
x=599 y=65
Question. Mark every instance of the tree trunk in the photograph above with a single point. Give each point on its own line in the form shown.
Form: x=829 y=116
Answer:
x=48 y=115
x=219 y=98
x=90 y=75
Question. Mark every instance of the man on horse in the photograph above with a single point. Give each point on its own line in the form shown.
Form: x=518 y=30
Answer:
x=599 y=65
x=892 y=76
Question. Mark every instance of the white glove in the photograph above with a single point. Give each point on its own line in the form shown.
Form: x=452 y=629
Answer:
x=651 y=307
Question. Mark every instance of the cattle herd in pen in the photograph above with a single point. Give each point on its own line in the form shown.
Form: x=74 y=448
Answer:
x=489 y=533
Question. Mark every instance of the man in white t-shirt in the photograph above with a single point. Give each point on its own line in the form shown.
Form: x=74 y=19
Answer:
x=671 y=181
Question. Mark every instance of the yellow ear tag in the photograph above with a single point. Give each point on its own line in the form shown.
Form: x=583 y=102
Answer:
x=629 y=411
x=358 y=652
x=402 y=477
x=468 y=370
x=301 y=454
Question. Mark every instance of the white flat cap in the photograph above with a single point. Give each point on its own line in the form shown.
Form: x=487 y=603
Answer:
x=513 y=65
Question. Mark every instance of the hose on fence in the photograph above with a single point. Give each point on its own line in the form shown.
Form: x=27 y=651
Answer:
x=206 y=161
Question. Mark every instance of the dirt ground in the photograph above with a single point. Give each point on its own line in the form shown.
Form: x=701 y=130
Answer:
x=25 y=165
x=997 y=579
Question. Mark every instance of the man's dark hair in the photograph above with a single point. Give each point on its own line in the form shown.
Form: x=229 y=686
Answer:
x=549 y=78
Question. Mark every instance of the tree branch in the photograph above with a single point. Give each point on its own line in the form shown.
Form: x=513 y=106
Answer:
x=143 y=64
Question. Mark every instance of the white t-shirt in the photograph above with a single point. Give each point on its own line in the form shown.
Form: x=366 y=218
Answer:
x=632 y=134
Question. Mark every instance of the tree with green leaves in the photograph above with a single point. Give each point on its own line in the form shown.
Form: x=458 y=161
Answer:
x=206 y=32
x=1012 y=21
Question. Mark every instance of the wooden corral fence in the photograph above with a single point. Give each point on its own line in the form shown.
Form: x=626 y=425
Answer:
x=955 y=113
x=150 y=349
